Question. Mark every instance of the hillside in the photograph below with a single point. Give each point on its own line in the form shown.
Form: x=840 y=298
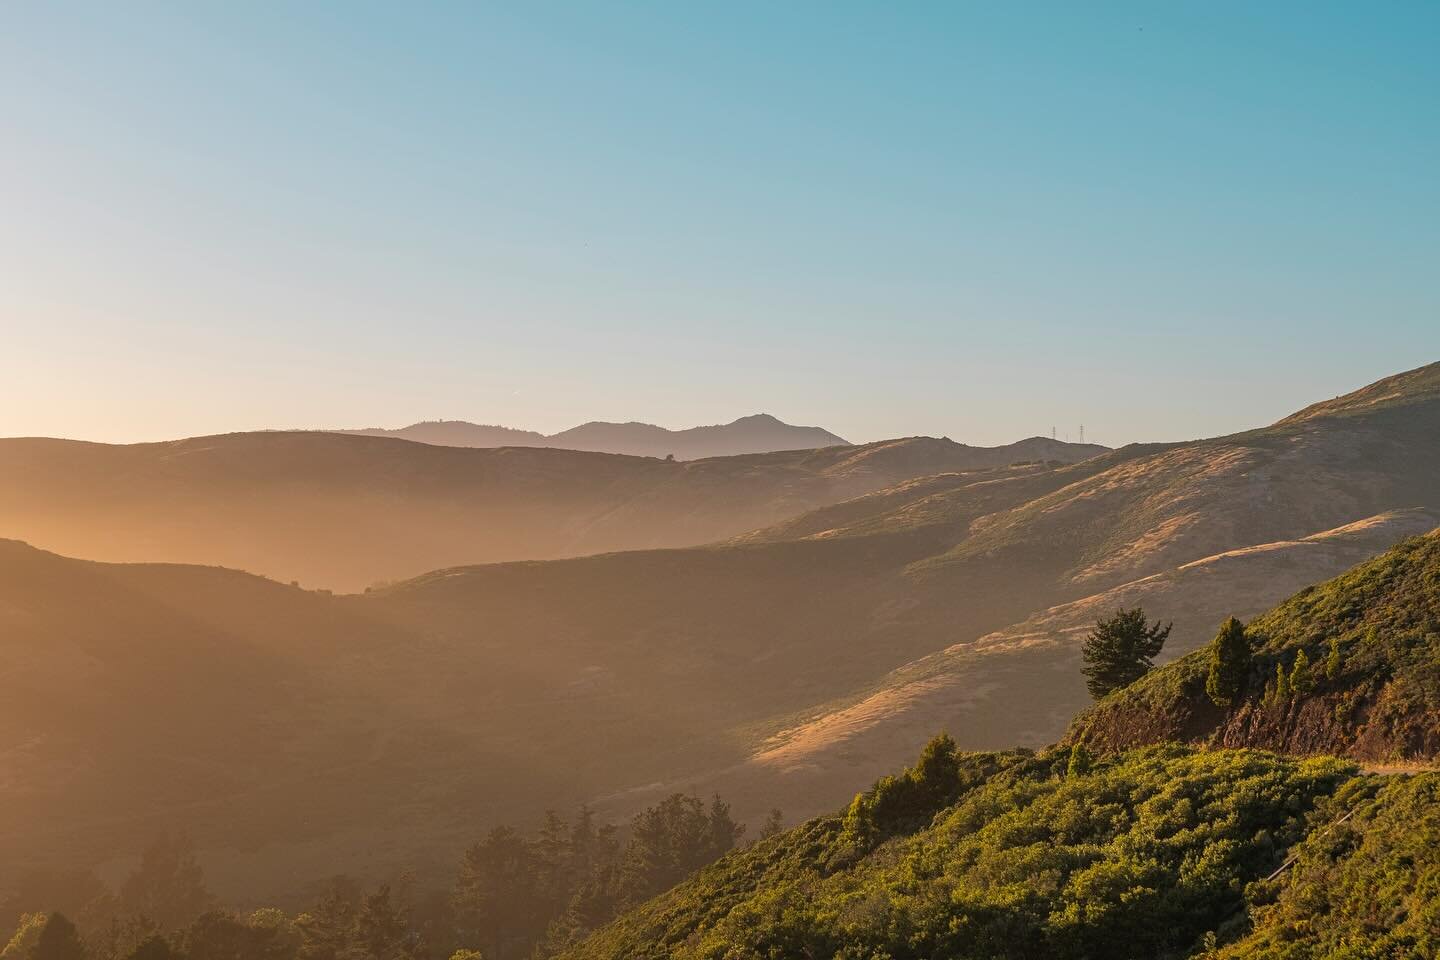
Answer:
x=1194 y=532
x=1372 y=636
x=1212 y=849
x=787 y=667
x=760 y=433
x=1011 y=856
x=345 y=512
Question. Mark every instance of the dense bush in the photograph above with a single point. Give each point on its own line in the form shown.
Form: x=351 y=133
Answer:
x=1152 y=850
x=1365 y=889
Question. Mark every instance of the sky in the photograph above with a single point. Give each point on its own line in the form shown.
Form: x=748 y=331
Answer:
x=982 y=221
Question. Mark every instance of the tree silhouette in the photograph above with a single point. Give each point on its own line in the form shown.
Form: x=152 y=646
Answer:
x=168 y=887
x=58 y=940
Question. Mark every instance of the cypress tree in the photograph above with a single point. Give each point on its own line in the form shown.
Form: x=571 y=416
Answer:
x=1300 y=679
x=1230 y=659
x=1282 y=683
x=1080 y=762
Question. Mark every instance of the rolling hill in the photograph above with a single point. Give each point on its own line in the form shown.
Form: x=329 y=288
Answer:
x=1194 y=532
x=760 y=433
x=789 y=665
x=345 y=512
x=1122 y=835
x=1013 y=855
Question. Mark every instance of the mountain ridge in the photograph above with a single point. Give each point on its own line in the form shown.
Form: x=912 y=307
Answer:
x=786 y=668
x=757 y=433
x=345 y=511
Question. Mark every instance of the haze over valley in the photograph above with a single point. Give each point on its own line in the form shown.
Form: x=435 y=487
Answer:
x=612 y=481
x=884 y=592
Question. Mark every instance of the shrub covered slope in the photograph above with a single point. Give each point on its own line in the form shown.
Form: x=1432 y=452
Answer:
x=1120 y=844
x=1368 y=684
x=1025 y=856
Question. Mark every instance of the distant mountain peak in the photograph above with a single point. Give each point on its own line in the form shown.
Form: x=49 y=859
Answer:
x=757 y=433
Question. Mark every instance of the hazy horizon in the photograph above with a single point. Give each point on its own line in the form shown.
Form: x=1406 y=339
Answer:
x=1069 y=433
x=306 y=657
x=1161 y=223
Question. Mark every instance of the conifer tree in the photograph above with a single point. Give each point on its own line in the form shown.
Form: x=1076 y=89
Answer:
x=1121 y=650
x=1230 y=659
x=1300 y=679
x=1332 y=661
x=1282 y=683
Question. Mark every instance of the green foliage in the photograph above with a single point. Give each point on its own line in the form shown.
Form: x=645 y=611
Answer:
x=897 y=804
x=1279 y=691
x=1378 y=628
x=1121 y=650
x=349 y=924
x=1230 y=659
x=498 y=893
x=1151 y=850
x=23 y=940
x=516 y=896
x=220 y=936
x=1365 y=889
x=1301 y=680
x=1080 y=761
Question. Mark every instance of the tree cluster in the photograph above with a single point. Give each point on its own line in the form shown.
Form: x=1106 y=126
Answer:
x=515 y=897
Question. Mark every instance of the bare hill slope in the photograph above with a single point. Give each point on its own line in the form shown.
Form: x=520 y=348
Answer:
x=346 y=511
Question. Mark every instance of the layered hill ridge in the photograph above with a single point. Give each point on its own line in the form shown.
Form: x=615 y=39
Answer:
x=759 y=433
x=943 y=599
x=1121 y=836
x=347 y=511
x=1194 y=532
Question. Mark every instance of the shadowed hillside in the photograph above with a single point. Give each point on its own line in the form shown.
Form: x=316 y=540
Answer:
x=787 y=667
x=1120 y=838
x=1193 y=531
x=345 y=511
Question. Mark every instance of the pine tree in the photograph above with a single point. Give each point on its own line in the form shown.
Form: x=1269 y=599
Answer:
x=1080 y=762
x=168 y=886
x=1332 y=661
x=497 y=894
x=1282 y=683
x=1300 y=679
x=1121 y=650
x=1230 y=659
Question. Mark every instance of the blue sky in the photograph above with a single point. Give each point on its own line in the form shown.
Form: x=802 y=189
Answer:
x=1162 y=220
